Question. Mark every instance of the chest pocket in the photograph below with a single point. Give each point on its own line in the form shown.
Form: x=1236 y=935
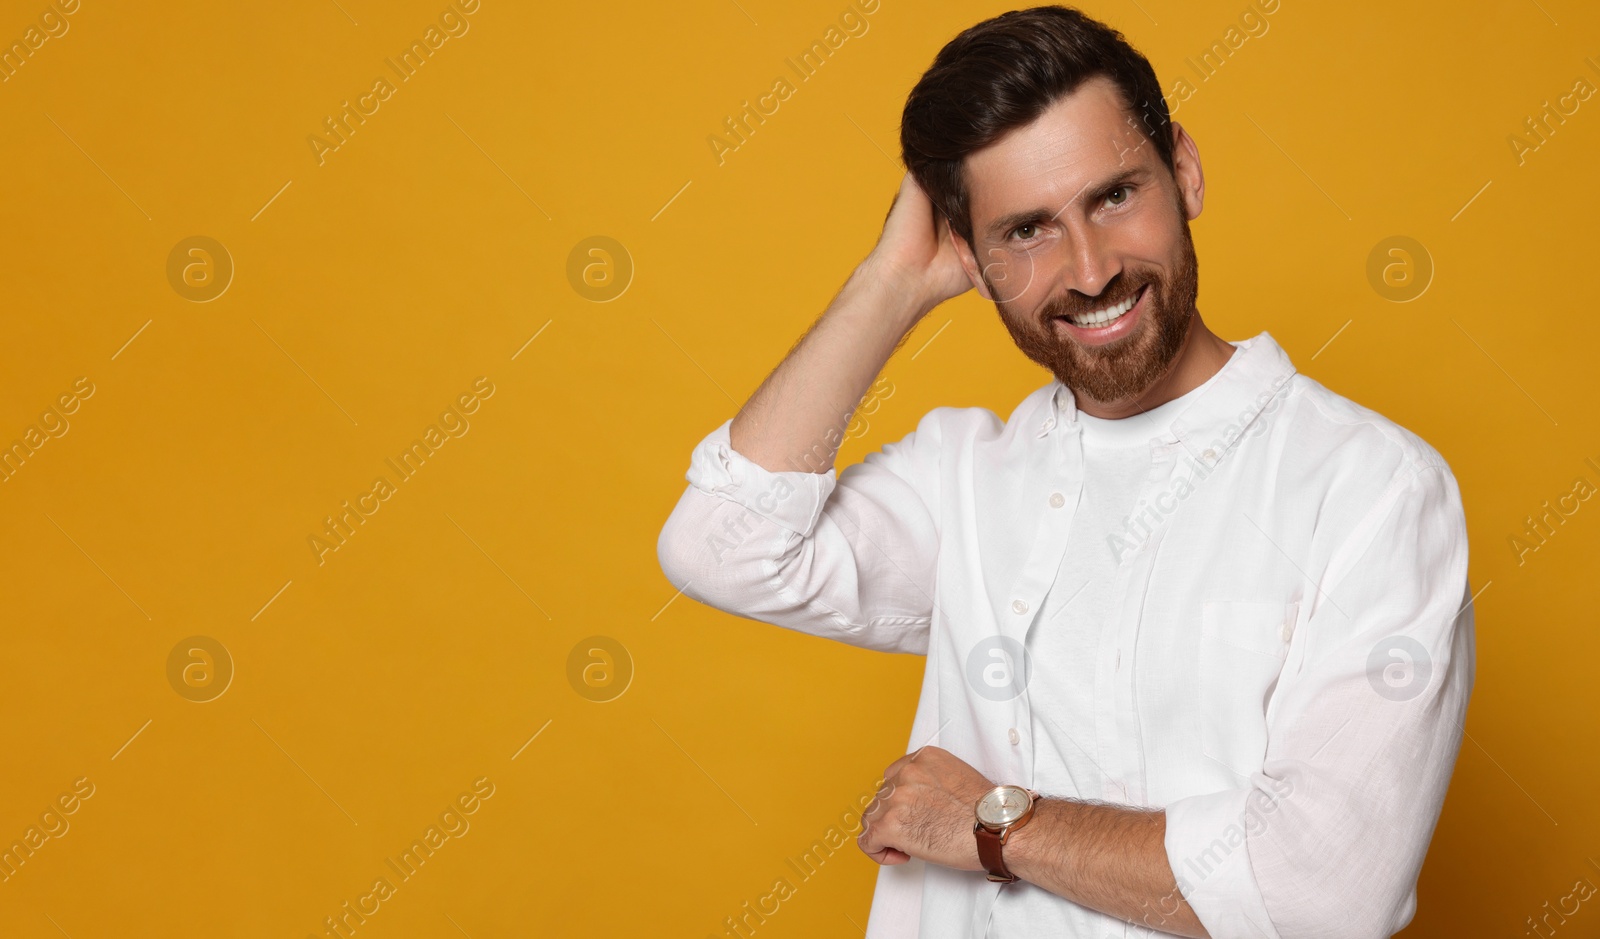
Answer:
x=1243 y=646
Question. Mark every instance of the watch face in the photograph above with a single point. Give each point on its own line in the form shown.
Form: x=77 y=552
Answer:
x=1003 y=805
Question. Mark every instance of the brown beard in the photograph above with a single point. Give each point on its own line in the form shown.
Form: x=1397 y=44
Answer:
x=1130 y=365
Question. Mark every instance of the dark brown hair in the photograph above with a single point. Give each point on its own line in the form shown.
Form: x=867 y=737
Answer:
x=1002 y=74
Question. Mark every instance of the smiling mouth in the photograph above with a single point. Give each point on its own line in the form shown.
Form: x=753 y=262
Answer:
x=1105 y=316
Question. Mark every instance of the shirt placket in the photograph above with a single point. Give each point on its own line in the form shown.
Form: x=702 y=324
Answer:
x=1119 y=740
x=1056 y=485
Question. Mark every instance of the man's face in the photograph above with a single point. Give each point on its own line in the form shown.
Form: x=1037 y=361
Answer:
x=1072 y=215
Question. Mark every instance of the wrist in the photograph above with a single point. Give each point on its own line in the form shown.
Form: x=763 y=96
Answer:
x=1001 y=813
x=1028 y=848
x=891 y=291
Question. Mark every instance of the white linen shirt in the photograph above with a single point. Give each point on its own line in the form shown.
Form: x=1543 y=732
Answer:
x=1285 y=672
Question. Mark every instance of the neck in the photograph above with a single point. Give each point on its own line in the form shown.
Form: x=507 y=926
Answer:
x=1201 y=356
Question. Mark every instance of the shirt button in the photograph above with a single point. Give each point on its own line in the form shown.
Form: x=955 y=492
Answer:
x=1019 y=606
x=1013 y=736
x=1209 y=455
x=1287 y=631
x=1057 y=500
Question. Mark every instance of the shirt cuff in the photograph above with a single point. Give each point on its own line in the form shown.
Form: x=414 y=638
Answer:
x=793 y=500
x=1210 y=859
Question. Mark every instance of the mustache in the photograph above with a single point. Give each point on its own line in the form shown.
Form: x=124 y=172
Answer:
x=1068 y=306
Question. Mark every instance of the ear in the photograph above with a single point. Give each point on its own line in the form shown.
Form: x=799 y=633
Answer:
x=969 y=263
x=1190 y=179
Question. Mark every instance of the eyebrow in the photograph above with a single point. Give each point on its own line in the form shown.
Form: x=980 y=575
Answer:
x=1005 y=223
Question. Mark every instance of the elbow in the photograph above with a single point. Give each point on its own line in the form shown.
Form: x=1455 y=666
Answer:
x=704 y=548
x=1331 y=903
x=678 y=551
x=1344 y=920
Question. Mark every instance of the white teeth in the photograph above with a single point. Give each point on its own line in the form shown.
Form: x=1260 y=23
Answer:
x=1107 y=316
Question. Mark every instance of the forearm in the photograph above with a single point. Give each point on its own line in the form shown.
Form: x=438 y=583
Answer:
x=796 y=420
x=1106 y=857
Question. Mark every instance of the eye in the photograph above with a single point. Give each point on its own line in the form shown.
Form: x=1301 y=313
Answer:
x=1112 y=193
x=1028 y=228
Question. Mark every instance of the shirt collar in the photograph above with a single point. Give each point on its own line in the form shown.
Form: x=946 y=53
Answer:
x=1207 y=428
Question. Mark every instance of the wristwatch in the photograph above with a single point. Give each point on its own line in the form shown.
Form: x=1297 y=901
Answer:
x=1001 y=811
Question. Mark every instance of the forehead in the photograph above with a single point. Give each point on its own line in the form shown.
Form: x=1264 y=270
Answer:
x=1082 y=139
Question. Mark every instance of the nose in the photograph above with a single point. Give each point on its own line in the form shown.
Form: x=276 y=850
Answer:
x=1092 y=260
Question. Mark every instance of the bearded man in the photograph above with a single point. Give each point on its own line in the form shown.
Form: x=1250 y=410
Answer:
x=1198 y=630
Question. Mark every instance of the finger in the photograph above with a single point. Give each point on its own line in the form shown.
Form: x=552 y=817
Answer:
x=873 y=845
x=890 y=856
x=895 y=767
x=873 y=807
x=880 y=801
x=927 y=759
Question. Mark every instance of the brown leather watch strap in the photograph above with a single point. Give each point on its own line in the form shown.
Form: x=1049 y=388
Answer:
x=991 y=844
x=991 y=855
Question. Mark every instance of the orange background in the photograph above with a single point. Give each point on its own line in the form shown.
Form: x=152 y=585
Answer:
x=372 y=289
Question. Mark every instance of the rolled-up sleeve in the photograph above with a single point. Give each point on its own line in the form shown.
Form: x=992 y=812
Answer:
x=1329 y=838
x=847 y=556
